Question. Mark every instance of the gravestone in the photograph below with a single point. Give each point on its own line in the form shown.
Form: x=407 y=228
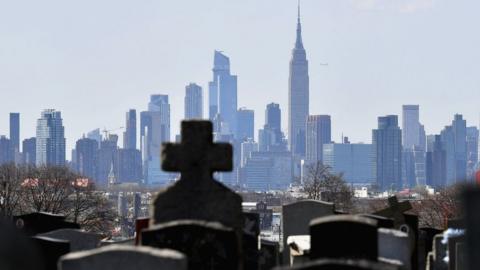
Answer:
x=395 y=211
x=124 y=258
x=250 y=241
x=269 y=255
x=140 y=224
x=17 y=251
x=394 y=244
x=471 y=204
x=439 y=253
x=50 y=250
x=79 y=240
x=207 y=245
x=344 y=236
x=453 y=242
x=121 y=241
x=196 y=195
x=342 y=264
x=297 y=216
x=36 y=223
x=430 y=261
x=382 y=222
x=425 y=244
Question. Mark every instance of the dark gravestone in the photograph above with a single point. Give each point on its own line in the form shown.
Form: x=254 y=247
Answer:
x=296 y=218
x=342 y=264
x=196 y=195
x=269 y=255
x=51 y=249
x=425 y=244
x=36 y=223
x=78 y=239
x=207 y=245
x=453 y=242
x=456 y=223
x=250 y=241
x=461 y=257
x=140 y=224
x=471 y=204
x=430 y=261
x=344 y=236
x=382 y=222
x=17 y=252
x=439 y=251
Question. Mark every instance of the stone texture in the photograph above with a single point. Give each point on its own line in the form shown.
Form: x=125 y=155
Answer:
x=50 y=250
x=344 y=236
x=439 y=253
x=207 y=245
x=394 y=244
x=342 y=264
x=79 y=239
x=471 y=199
x=382 y=222
x=452 y=250
x=120 y=257
x=36 y=223
x=269 y=255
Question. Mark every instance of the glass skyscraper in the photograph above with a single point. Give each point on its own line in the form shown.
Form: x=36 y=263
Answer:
x=193 y=102
x=50 y=139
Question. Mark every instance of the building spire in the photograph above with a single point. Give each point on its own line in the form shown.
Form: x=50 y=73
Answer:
x=299 y=43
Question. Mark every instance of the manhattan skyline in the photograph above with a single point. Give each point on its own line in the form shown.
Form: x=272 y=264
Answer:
x=124 y=58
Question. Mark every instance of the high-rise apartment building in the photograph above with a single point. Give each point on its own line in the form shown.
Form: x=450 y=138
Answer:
x=29 y=148
x=454 y=138
x=436 y=163
x=193 y=102
x=298 y=95
x=387 y=153
x=130 y=134
x=86 y=151
x=318 y=133
x=245 y=124
x=50 y=139
x=222 y=94
x=410 y=126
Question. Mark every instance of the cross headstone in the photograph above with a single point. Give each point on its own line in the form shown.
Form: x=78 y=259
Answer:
x=119 y=257
x=207 y=245
x=382 y=222
x=343 y=264
x=394 y=244
x=395 y=211
x=79 y=240
x=196 y=195
x=344 y=236
x=296 y=218
x=50 y=250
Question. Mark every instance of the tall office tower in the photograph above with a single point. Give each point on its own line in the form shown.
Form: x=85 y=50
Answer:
x=247 y=147
x=454 y=138
x=271 y=136
x=410 y=126
x=318 y=133
x=50 y=139
x=472 y=151
x=107 y=159
x=5 y=150
x=222 y=94
x=436 y=164
x=95 y=135
x=266 y=171
x=154 y=130
x=245 y=124
x=86 y=151
x=130 y=134
x=193 y=102
x=15 y=132
x=298 y=95
x=29 y=147
x=414 y=147
x=387 y=153
x=130 y=165
x=352 y=160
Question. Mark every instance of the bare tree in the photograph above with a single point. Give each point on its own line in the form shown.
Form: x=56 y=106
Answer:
x=320 y=182
x=11 y=178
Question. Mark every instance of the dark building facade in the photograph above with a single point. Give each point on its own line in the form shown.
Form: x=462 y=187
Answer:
x=86 y=151
x=29 y=154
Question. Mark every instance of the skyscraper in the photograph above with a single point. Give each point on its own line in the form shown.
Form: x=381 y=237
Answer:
x=436 y=163
x=107 y=156
x=472 y=151
x=271 y=136
x=130 y=134
x=410 y=126
x=193 y=102
x=318 y=133
x=387 y=153
x=223 y=93
x=86 y=151
x=154 y=130
x=298 y=95
x=454 y=139
x=5 y=150
x=15 y=132
x=245 y=124
x=273 y=116
x=50 y=142
x=29 y=147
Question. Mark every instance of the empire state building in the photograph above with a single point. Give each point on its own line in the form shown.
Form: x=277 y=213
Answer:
x=298 y=95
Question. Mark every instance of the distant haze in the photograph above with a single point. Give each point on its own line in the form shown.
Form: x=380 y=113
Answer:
x=94 y=60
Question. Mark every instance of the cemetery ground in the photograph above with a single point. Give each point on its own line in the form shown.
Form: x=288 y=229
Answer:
x=53 y=218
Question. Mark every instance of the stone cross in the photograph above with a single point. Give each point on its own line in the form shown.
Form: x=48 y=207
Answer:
x=197 y=157
x=395 y=211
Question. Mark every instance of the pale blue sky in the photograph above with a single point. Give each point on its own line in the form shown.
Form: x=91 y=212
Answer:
x=93 y=60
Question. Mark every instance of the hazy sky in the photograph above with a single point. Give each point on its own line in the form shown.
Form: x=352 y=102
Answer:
x=94 y=60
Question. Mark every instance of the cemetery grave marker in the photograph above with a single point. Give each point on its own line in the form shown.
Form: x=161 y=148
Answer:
x=50 y=250
x=394 y=244
x=35 y=223
x=471 y=204
x=342 y=264
x=79 y=240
